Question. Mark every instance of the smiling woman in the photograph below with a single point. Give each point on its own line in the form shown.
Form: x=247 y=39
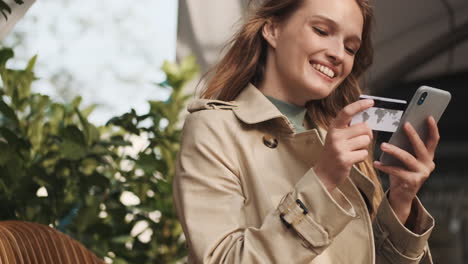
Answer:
x=309 y=38
x=270 y=171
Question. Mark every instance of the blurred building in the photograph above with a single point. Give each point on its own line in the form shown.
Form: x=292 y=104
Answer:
x=416 y=42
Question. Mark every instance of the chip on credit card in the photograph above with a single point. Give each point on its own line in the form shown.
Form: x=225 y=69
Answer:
x=384 y=115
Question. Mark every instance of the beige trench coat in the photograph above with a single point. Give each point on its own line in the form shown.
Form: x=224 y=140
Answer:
x=246 y=192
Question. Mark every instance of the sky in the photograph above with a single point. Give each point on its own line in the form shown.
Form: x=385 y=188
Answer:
x=107 y=51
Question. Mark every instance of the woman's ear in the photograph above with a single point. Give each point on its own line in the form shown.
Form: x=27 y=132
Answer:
x=270 y=32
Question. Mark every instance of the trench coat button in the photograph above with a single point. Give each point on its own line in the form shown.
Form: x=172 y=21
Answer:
x=270 y=141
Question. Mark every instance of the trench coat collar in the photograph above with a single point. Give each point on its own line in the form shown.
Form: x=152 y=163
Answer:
x=254 y=107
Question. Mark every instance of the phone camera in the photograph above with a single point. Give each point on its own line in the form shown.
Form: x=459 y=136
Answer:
x=422 y=98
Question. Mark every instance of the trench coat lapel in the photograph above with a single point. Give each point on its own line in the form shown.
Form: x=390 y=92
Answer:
x=255 y=108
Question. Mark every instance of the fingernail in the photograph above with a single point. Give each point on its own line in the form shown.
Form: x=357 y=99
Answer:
x=384 y=145
x=377 y=163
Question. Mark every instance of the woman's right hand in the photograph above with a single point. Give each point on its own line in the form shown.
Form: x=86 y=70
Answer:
x=344 y=145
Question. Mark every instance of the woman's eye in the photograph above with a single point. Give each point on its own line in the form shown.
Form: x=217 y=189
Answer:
x=320 y=31
x=351 y=51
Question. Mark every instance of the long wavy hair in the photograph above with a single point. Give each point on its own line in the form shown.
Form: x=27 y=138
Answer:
x=245 y=62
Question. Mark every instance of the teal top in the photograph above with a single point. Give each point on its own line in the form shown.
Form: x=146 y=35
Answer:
x=294 y=113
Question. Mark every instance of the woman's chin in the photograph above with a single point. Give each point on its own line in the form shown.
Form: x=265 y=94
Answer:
x=317 y=92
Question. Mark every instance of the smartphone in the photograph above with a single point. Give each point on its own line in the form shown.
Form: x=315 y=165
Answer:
x=427 y=101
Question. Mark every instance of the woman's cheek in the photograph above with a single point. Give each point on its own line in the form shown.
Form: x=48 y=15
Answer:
x=348 y=67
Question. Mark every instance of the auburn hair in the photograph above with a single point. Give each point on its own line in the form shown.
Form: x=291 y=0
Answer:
x=245 y=62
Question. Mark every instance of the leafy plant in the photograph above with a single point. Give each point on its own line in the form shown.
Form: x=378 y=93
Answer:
x=91 y=182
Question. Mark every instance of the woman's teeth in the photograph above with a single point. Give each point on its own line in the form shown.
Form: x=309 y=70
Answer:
x=324 y=69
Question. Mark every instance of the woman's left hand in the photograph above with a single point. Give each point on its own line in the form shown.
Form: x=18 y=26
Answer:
x=406 y=182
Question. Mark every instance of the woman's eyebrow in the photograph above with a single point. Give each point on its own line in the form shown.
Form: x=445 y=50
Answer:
x=335 y=25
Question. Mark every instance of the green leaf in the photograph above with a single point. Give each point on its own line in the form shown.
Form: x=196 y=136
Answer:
x=178 y=75
x=88 y=165
x=31 y=64
x=102 y=150
x=122 y=239
x=71 y=150
x=3 y=187
x=73 y=133
x=55 y=115
x=73 y=146
x=88 y=110
x=5 y=55
x=90 y=131
x=35 y=132
x=76 y=102
x=9 y=113
x=17 y=84
x=13 y=140
x=119 y=261
x=118 y=140
x=98 y=180
x=127 y=121
x=189 y=67
x=87 y=215
x=7 y=153
x=39 y=103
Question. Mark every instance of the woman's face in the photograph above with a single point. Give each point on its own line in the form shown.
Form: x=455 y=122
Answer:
x=313 y=50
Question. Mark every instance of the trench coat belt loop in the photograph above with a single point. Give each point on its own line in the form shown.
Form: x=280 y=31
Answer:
x=290 y=209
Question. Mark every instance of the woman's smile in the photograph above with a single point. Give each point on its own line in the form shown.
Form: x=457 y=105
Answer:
x=327 y=73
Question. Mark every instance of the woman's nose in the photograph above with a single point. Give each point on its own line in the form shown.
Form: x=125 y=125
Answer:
x=335 y=52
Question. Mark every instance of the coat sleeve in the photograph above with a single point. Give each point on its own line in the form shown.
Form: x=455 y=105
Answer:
x=210 y=204
x=395 y=243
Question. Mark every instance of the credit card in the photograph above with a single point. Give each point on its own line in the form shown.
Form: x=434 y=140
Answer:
x=384 y=116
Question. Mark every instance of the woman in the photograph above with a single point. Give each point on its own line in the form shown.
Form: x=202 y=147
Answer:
x=269 y=170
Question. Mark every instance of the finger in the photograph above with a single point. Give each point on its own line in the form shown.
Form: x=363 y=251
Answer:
x=346 y=114
x=434 y=136
x=419 y=147
x=358 y=156
x=398 y=172
x=402 y=155
x=360 y=142
x=353 y=131
x=357 y=130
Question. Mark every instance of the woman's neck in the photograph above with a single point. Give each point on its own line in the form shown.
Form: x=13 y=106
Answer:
x=274 y=86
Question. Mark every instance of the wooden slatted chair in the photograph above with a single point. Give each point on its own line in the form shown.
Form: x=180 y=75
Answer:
x=30 y=243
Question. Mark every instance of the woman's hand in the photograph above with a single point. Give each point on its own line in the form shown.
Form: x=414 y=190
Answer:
x=406 y=182
x=344 y=145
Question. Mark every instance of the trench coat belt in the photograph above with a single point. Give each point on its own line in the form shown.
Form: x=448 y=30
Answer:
x=294 y=214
